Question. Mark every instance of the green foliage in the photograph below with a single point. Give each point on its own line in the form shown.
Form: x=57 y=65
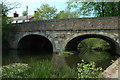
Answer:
x=7 y=28
x=98 y=9
x=73 y=7
x=62 y=15
x=41 y=70
x=93 y=44
x=66 y=14
x=45 y=12
x=103 y=9
x=24 y=13
x=6 y=7
x=86 y=70
x=46 y=69
x=16 y=70
x=7 y=31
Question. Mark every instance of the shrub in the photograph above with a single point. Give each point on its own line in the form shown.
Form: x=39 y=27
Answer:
x=15 y=70
x=88 y=70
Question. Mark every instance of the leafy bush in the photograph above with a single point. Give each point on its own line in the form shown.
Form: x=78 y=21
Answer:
x=88 y=70
x=15 y=70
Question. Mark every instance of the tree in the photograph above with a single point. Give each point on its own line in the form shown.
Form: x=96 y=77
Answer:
x=66 y=14
x=24 y=13
x=98 y=9
x=7 y=28
x=6 y=7
x=73 y=8
x=45 y=12
x=62 y=15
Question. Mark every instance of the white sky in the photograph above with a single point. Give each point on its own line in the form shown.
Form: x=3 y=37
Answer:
x=34 y=4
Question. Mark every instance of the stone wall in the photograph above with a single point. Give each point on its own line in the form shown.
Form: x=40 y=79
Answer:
x=70 y=24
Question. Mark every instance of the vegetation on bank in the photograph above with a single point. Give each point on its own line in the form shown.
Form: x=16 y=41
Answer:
x=15 y=70
x=46 y=69
x=7 y=32
x=88 y=70
x=8 y=29
x=93 y=44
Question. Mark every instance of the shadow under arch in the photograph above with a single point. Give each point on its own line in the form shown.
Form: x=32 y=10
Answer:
x=72 y=44
x=35 y=42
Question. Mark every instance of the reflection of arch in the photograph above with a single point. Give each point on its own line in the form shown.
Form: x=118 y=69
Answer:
x=72 y=44
x=35 y=42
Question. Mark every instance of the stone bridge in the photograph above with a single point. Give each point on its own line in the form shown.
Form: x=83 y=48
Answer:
x=65 y=34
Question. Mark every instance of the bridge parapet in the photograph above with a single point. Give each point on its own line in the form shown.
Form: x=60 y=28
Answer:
x=100 y=23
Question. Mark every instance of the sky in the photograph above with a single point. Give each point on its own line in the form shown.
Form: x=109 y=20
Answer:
x=34 y=4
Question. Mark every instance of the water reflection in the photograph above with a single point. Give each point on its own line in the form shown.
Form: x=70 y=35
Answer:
x=24 y=56
x=9 y=57
x=102 y=58
x=95 y=56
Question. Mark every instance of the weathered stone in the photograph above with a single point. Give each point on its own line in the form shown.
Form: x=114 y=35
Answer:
x=61 y=31
x=113 y=70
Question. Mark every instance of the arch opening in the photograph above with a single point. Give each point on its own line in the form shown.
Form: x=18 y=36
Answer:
x=73 y=44
x=36 y=43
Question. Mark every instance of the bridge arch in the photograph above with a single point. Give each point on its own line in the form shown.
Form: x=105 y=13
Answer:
x=35 y=42
x=73 y=43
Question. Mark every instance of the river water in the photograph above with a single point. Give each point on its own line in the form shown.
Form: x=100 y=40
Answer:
x=103 y=59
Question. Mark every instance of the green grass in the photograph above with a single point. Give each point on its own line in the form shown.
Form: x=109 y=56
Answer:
x=47 y=69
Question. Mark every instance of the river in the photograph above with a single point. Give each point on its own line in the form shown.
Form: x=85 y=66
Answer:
x=102 y=58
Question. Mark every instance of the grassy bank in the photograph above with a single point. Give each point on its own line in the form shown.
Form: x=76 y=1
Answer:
x=47 y=69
